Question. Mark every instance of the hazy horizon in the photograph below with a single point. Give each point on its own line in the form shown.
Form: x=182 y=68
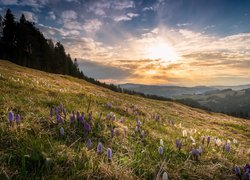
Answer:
x=163 y=42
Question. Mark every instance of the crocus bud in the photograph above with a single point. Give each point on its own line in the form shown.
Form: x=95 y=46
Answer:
x=89 y=144
x=61 y=131
x=72 y=118
x=143 y=133
x=227 y=147
x=58 y=118
x=11 y=117
x=165 y=176
x=247 y=167
x=18 y=118
x=136 y=129
x=178 y=144
x=237 y=171
x=99 y=148
x=161 y=142
x=184 y=133
x=160 y=150
x=109 y=153
x=208 y=140
x=203 y=140
x=87 y=127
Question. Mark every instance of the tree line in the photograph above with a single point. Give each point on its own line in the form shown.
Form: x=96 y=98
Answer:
x=22 y=43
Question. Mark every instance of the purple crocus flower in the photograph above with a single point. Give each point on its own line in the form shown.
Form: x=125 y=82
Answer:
x=72 y=118
x=62 y=131
x=58 y=118
x=208 y=140
x=247 y=168
x=11 y=117
x=99 y=148
x=108 y=105
x=246 y=176
x=227 y=147
x=237 y=170
x=160 y=149
x=109 y=153
x=18 y=118
x=136 y=129
x=81 y=119
x=57 y=110
x=178 y=144
x=89 y=144
x=87 y=127
x=194 y=154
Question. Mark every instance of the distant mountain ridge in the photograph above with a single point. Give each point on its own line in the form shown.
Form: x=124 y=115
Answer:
x=175 y=91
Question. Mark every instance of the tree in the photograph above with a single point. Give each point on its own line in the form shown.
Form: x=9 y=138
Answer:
x=1 y=26
x=9 y=29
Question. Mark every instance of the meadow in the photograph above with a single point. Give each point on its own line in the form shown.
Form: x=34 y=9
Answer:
x=56 y=126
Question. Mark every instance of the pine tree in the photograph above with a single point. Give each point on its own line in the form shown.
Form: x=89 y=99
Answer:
x=9 y=29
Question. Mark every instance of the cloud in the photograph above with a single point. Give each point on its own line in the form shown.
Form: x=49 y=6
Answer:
x=122 y=4
x=127 y=17
x=9 y=2
x=69 y=14
x=30 y=16
x=51 y=15
x=76 y=1
x=35 y=4
x=69 y=20
x=102 y=71
x=148 y=9
x=92 y=25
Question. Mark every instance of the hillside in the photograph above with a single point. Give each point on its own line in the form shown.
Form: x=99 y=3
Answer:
x=37 y=147
x=233 y=102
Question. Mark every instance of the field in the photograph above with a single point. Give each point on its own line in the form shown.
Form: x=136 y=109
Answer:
x=36 y=148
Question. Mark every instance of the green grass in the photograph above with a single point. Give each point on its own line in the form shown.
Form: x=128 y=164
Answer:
x=34 y=148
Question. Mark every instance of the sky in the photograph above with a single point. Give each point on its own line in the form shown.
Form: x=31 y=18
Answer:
x=163 y=42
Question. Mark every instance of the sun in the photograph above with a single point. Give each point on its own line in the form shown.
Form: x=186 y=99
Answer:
x=161 y=51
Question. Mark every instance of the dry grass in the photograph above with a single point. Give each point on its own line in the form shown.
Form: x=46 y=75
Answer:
x=35 y=149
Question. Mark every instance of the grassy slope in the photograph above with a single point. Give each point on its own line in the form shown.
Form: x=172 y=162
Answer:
x=34 y=148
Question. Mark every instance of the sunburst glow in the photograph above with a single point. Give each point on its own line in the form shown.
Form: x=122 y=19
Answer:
x=162 y=51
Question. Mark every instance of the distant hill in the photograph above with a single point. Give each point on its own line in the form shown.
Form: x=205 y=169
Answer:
x=232 y=102
x=167 y=91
